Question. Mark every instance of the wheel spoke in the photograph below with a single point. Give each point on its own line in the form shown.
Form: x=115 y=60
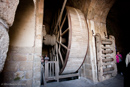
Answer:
x=61 y=58
x=65 y=31
x=63 y=45
x=63 y=22
x=53 y=53
x=57 y=52
x=59 y=18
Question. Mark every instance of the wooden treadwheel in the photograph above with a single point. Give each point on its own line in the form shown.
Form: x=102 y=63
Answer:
x=72 y=41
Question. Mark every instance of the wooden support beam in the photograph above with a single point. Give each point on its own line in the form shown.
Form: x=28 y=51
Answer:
x=106 y=40
x=57 y=70
x=108 y=72
x=108 y=63
x=99 y=57
x=63 y=22
x=105 y=47
x=106 y=43
x=108 y=60
x=51 y=78
x=108 y=69
x=46 y=70
x=68 y=75
x=107 y=51
x=61 y=57
x=59 y=19
x=107 y=55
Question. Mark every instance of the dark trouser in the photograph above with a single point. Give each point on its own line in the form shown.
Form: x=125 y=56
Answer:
x=42 y=71
x=127 y=77
x=119 y=67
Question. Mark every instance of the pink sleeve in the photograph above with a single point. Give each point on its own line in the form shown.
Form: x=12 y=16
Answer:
x=116 y=56
x=117 y=60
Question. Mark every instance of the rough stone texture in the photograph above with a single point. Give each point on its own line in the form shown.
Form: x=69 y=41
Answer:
x=19 y=57
x=29 y=74
x=7 y=14
x=7 y=10
x=25 y=66
x=18 y=75
x=18 y=68
x=11 y=66
x=38 y=43
x=4 y=42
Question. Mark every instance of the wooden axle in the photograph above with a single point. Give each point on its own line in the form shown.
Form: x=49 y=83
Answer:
x=51 y=40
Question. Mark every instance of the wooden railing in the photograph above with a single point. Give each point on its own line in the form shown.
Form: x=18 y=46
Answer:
x=51 y=70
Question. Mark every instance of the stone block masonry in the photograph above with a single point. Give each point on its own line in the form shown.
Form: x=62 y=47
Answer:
x=22 y=66
x=19 y=67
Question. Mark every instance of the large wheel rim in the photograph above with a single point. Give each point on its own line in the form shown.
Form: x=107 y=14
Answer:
x=77 y=36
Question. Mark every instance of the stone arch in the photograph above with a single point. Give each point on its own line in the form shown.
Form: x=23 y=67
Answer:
x=96 y=20
x=21 y=35
x=22 y=24
x=97 y=14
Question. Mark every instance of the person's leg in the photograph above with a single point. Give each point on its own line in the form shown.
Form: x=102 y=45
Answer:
x=41 y=74
x=121 y=68
x=118 y=71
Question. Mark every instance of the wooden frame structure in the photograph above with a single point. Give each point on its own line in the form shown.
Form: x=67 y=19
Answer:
x=77 y=40
x=106 y=61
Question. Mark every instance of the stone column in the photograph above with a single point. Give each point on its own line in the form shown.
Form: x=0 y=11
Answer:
x=39 y=6
x=4 y=42
x=7 y=14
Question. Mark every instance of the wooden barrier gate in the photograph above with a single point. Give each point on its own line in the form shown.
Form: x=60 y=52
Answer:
x=51 y=70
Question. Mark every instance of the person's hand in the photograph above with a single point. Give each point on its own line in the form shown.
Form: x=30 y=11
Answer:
x=42 y=60
x=41 y=57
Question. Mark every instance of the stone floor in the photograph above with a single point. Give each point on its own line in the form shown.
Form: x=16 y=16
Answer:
x=116 y=81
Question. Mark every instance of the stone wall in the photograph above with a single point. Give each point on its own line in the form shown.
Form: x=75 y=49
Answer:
x=96 y=13
x=18 y=67
x=23 y=63
x=22 y=67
